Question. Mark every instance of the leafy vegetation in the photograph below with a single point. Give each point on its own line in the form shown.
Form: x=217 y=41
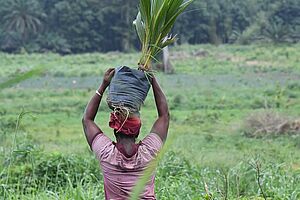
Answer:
x=212 y=93
x=68 y=26
x=153 y=24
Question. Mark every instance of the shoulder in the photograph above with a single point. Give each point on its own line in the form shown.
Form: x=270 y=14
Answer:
x=152 y=143
x=101 y=144
x=152 y=139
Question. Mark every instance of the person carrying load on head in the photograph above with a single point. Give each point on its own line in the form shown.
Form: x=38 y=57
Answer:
x=124 y=161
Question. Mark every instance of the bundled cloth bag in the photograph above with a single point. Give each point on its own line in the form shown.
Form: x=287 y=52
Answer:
x=128 y=90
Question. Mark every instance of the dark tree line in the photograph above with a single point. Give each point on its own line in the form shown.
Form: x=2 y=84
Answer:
x=74 y=26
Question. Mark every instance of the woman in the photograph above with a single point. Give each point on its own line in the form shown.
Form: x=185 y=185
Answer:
x=124 y=161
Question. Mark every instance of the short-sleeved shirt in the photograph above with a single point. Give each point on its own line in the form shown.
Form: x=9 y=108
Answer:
x=121 y=173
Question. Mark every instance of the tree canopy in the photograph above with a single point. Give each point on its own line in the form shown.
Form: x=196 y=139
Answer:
x=75 y=26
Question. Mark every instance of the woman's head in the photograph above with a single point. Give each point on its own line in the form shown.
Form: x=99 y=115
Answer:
x=128 y=126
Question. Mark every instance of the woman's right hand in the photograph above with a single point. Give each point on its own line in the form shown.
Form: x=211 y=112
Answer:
x=108 y=76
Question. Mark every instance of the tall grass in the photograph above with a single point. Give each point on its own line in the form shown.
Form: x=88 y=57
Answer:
x=210 y=158
x=21 y=77
x=30 y=173
x=73 y=177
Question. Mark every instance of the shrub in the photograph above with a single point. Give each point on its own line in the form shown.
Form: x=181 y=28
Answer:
x=32 y=170
x=177 y=178
x=269 y=123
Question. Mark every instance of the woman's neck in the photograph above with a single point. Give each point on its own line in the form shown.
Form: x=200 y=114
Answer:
x=125 y=141
x=127 y=146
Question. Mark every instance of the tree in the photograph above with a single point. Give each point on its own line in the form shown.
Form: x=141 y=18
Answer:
x=192 y=26
x=76 y=26
x=76 y=22
x=276 y=30
x=23 y=17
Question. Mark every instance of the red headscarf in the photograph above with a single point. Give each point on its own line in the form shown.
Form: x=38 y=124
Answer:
x=130 y=127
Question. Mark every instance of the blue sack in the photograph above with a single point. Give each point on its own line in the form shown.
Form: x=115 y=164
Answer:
x=128 y=88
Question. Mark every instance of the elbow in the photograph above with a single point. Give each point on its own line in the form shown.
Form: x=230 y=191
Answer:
x=166 y=116
x=86 y=117
x=84 y=120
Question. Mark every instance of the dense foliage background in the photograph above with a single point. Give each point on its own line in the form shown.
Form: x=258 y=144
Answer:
x=75 y=26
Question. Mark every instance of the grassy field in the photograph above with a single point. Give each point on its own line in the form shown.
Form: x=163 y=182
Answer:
x=212 y=93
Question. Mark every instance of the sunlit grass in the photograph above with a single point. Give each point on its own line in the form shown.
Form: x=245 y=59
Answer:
x=207 y=109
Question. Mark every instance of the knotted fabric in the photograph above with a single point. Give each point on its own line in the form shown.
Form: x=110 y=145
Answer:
x=128 y=126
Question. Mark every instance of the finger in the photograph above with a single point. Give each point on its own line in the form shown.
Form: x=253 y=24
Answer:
x=111 y=73
x=110 y=69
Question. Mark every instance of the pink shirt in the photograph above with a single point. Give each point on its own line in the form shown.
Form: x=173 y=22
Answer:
x=121 y=173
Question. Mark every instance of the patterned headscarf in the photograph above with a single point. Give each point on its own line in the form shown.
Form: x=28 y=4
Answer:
x=128 y=126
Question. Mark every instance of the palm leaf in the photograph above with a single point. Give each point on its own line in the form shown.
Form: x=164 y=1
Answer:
x=145 y=9
x=168 y=41
x=140 y=27
x=153 y=24
x=174 y=5
x=171 y=21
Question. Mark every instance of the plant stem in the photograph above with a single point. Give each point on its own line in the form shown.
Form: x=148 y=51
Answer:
x=150 y=52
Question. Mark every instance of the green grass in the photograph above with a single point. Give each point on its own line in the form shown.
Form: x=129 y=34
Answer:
x=209 y=97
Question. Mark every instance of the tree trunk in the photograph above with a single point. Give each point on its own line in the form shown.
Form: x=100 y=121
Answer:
x=128 y=34
x=168 y=67
x=213 y=36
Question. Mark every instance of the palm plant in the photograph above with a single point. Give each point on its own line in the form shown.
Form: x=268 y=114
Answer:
x=153 y=23
x=276 y=30
x=22 y=16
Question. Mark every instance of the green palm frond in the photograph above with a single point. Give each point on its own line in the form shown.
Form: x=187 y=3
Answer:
x=153 y=23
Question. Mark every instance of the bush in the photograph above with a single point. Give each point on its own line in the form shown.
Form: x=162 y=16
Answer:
x=33 y=170
x=72 y=175
x=54 y=43
x=269 y=123
x=178 y=179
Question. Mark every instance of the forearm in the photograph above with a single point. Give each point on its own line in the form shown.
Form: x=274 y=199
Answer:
x=160 y=99
x=161 y=125
x=93 y=105
x=89 y=126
